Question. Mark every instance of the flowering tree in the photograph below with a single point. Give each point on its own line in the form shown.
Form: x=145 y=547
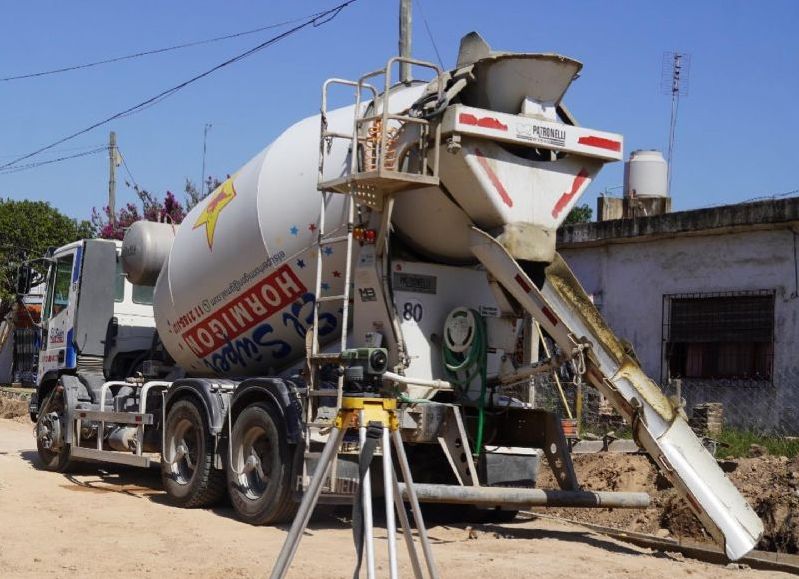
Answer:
x=152 y=209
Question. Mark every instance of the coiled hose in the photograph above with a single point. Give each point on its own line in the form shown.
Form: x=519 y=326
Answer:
x=462 y=368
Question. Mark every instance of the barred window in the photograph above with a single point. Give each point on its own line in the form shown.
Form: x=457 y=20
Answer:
x=719 y=335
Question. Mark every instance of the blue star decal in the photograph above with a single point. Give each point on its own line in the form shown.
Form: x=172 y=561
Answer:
x=328 y=250
x=293 y=230
x=301 y=263
x=325 y=285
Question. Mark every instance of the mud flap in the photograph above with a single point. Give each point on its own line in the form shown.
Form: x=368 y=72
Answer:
x=564 y=310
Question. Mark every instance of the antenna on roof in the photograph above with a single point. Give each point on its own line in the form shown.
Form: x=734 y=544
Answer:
x=674 y=81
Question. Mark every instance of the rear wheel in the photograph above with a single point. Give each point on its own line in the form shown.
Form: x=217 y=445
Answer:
x=187 y=462
x=259 y=473
x=54 y=452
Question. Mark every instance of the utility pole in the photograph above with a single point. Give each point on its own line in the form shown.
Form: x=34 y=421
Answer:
x=112 y=179
x=405 y=39
x=205 y=148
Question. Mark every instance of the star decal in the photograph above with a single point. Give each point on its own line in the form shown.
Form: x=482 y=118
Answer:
x=336 y=273
x=325 y=285
x=312 y=227
x=328 y=250
x=293 y=230
x=301 y=263
x=223 y=195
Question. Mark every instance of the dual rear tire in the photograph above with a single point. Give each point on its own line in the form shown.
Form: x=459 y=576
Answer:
x=257 y=476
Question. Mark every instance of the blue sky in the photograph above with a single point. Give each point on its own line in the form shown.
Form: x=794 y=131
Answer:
x=736 y=137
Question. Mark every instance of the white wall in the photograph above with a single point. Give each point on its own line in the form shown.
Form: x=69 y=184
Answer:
x=629 y=281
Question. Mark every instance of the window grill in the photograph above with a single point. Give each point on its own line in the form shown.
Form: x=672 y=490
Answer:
x=726 y=335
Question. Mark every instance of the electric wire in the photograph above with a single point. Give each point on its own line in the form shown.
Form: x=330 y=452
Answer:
x=155 y=51
x=430 y=34
x=127 y=170
x=316 y=21
x=27 y=166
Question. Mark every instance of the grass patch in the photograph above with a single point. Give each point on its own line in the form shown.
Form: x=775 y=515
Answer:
x=736 y=444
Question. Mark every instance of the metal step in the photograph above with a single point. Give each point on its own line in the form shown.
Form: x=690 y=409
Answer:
x=332 y=240
x=324 y=393
x=110 y=456
x=335 y=298
x=326 y=357
x=115 y=417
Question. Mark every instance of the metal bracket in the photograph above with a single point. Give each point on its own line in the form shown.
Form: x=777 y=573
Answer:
x=456 y=448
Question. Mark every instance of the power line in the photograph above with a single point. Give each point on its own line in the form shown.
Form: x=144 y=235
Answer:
x=17 y=168
x=154 y=51
x=127 y=170
x=64 y=150
x=315 y=21
x=430 y=33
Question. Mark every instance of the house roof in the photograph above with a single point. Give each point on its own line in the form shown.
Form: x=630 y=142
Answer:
x=708 y=221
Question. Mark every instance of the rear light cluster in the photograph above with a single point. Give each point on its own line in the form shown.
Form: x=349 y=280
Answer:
x=363 y=235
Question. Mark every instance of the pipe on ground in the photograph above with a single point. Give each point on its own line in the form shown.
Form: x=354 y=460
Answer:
x=522 y=498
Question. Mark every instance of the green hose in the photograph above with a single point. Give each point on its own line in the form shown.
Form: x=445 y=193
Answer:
x=463 y=367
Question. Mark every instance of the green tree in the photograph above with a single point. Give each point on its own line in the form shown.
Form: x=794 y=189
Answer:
x=27 y=229
x=194 y=195
x=579 y=214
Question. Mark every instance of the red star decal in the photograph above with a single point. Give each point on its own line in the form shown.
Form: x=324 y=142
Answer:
x=312 y=227
x=336 y=274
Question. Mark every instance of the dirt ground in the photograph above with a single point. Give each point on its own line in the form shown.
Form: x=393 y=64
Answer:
x=769 y=483
x=112 y=521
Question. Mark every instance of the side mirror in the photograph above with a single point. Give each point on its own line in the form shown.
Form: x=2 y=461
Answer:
x=24 y=279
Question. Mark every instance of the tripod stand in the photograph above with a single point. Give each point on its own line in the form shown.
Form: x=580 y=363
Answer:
x=376 y=420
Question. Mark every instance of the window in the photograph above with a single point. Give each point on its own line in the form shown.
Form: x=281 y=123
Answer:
x=119 y=283
x=719 y=336
x=143 y=294
x=62 y=281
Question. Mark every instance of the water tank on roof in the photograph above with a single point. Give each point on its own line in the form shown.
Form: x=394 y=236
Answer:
x=646 y=174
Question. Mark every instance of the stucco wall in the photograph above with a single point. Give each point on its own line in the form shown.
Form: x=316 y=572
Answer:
x=630 y=279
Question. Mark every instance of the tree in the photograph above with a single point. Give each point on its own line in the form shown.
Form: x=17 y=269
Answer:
x=579 y=214
x=152 y=209
x=27 y=230
x=194 y=196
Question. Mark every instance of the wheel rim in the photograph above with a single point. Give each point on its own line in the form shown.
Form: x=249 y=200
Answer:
x=49 y=433
x=183 y=448
x=253 y=458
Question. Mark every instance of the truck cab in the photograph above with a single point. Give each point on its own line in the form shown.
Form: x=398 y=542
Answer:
x=94 y=321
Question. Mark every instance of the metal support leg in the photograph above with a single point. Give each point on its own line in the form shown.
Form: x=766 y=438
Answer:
x=307 y=505
x=368 y=522
x=406 y=528
x=388 y=490
x=415 y=508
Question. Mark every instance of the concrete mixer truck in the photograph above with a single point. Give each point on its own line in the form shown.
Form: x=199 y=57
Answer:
x=407 y=249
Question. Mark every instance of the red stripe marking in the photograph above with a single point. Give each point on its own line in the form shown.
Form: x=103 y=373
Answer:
x=550 y=316
x=503 y=193
x=485 y=122
x=578 y=182
x=520 y=280
x=600 y=143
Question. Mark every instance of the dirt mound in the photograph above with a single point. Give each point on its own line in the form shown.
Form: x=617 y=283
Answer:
x=770 y=484
x=15 y=408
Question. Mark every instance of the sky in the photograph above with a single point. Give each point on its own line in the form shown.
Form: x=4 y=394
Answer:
x=735 y=138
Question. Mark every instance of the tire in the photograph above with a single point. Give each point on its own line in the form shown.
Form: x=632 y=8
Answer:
x=187 y=460
x=259 y=472
x=54 y=452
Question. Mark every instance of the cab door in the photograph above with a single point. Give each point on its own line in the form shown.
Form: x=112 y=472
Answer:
x=58 y=349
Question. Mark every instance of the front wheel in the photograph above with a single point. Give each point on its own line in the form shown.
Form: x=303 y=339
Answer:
x=187 y=461
x=54 y=451
x=259 y=471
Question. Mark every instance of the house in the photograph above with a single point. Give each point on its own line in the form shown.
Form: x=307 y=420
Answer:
x=709 y=297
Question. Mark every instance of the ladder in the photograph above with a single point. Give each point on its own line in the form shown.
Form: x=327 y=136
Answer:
x=369 y=182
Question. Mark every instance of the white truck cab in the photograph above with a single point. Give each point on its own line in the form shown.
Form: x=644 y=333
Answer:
x=93 y=318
